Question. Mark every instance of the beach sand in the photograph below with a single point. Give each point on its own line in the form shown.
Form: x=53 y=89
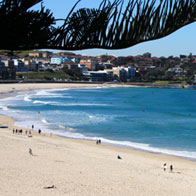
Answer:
x=10 y=88
x=82 y=168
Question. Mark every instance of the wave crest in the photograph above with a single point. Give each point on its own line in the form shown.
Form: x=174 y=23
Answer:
x=4 y=108
x=67 y=128
x=27 y=98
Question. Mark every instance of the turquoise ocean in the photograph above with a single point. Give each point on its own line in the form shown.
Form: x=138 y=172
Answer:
x=158 y=120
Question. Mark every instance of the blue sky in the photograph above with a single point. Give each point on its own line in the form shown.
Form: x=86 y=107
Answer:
x=182 y=41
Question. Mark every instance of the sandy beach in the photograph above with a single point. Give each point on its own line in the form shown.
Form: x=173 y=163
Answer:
x=9 y=88
x=60 y=166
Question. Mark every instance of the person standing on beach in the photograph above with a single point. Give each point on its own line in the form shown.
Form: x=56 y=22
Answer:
x=164 y=166
x=30 y=151
x=171 y=168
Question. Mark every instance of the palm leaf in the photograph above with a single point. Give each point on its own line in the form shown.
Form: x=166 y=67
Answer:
x=113 y=25
x=23 y=28
x=110 y=27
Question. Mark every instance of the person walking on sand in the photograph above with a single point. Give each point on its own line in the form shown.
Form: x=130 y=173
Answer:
x=164 y=166
x=30 y=151
x=171 y=168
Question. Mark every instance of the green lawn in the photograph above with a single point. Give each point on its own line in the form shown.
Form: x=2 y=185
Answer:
x=46 y=75
x=168 y=82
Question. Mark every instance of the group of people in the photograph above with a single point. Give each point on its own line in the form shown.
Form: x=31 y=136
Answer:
x=98 y=141
x=165 y=167
x=20 y=131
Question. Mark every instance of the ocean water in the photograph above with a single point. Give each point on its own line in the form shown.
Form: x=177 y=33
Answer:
x=150 y=119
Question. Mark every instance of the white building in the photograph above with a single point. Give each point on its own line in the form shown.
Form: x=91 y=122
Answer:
x=177 y=70
x=19 y=65
x=57 y=60
x=83 y=68
x=131 y=70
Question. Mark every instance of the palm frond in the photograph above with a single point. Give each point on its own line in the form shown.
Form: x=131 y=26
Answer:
x=110 y=27
x=113 y=25
x=22 y=28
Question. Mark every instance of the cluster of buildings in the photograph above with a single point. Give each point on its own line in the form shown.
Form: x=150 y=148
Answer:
x=7 y=71
x=100 y=68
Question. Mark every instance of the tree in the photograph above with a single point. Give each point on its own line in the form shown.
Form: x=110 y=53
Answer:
x=110 y=26
x=155 y=74
x=24 y=29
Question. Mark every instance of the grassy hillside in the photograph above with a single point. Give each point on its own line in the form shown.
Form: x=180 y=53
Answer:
x=16 y=53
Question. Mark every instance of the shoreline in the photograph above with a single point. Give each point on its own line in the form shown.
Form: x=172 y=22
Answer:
x=10 y=122
x=12 y=87
x=12 y=91
x=17 y=88
x=80 y=167
x=9 y=88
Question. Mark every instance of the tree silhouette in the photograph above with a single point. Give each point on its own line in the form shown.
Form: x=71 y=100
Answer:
x=23 y=29
x=113 y=25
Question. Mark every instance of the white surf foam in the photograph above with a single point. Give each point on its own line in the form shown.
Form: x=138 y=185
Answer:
x=45 y=102
x=4 y=108
x=50 y=93
x=27 y=98
x=83 y=104
x=45 y=121
x=96 y=117
x=47 y=94
x=147 y=147
x=144 y=147
x=67 y=128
